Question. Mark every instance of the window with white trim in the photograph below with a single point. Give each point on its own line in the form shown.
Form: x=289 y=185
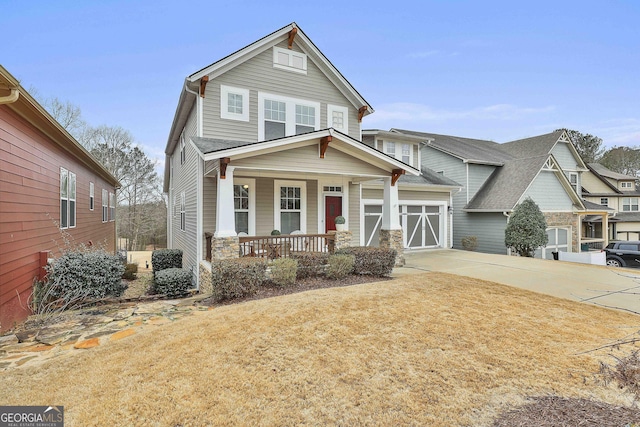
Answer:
x=183 y=152
x=105 y=206
x=244 y=200
x=399 y=151
x=290 y=202
x=183 y=213
x=604 y=201
x=338 y=118
x=91 y=196
x=280 y=116
x=573 y=179
x=290 y=60
x=629 y=204
x=234 y=103
x=67 y=199
x=112 y=207
x=626 y=184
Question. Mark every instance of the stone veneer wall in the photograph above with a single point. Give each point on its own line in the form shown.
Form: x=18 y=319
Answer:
x=225 y=247
x=343 y=239
x=393 y=239
x=206 y=283
x=565 y=219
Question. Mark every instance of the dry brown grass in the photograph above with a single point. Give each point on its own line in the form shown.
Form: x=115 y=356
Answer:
x=432 y=349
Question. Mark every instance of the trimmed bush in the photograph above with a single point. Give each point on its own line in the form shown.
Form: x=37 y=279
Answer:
x=310 y=264
x=237 y=278
x=469 y=243
x=340 y=266
x=162 y=259
x=283 y=271
x=78 y=276
x=172 y=282
x=130 y=271
x=371 y=261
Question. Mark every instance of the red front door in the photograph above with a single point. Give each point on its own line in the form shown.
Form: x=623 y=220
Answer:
x=332 y=209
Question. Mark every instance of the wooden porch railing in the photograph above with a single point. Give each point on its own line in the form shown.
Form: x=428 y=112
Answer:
x=284 y=245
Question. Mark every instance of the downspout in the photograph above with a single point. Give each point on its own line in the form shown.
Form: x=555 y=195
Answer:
x=508 y=215
x=11 y=98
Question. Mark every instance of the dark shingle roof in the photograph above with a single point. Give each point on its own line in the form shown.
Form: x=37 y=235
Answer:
x=534 y=146
x=601 y=170
x=627 y=216
x=211 y=145
x=430 y=177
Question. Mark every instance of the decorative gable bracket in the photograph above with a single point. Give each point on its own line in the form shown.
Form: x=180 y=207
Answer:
x=292 y=35
x=324 y=144
x=203 y=84
x=361 y=112
x=395 y=175
x=224 y=162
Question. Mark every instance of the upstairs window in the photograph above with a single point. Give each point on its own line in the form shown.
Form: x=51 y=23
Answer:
x=280 y=116
x=91 y=197
x=338 y=118
x=604 y=201
x=67 y=199
x=105 y=206
x=399 y=151
x=112 y=207
x=234 y=103
x=183 y=152
x=183 y=213
x=573 y=178
x=626 y=184
x=287 y=59
x=629 y=204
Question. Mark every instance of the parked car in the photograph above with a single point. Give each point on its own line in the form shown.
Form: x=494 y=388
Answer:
x=623 y=254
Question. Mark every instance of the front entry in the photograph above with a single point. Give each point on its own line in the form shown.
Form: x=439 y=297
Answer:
x=332 y=209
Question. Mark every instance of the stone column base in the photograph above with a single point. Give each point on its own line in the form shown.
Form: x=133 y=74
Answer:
x=343 y=239
x=206 y=282
x=393 y=239
x=225 y=247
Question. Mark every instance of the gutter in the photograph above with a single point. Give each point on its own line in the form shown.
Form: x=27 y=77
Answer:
x=11 y=98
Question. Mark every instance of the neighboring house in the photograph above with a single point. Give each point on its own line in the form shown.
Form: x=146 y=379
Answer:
x=270 y=137
x=497 y=177
x=618 y=192
x=49 y=186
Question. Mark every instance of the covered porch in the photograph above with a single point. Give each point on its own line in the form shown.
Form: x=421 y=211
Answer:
x=595 y=233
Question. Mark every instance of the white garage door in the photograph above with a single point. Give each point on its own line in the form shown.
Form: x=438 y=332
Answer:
x=559 y=241
x=422 y=225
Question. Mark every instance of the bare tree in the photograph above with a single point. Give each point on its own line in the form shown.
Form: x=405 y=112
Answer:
x=588 y=146
x=625 y=160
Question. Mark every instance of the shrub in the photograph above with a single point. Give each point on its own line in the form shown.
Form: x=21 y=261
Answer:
x=283 y=271
x=78 y=276
x=130 y=271
x=275 y=232
x=310 y=264
x=469 y=243
x=526 y=230
x=162 y=259
x=172 y=282
x=236 y=278
x=340 y=266
x=339 y=220
x=371 y=261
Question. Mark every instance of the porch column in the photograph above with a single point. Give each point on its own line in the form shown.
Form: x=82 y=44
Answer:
x=225 y=216
x=391 y=231
x=605 y=229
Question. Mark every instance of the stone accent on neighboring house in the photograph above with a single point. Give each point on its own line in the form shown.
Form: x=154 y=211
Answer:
x=225 y=247
x=564 y=219
x=393 y=239
x=206 y=281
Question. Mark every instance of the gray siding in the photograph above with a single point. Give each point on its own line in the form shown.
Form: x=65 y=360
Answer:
x=564 y=156
x=264 y=206
x=354 y=213
x=369 y=140
x=210 y=191
x=548 y=193
x=258 y=75
x=308 y=159
x=478 y=175
x=487 y=227
x=453 y=168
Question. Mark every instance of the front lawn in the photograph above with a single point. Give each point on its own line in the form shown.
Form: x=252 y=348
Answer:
x=431 y=349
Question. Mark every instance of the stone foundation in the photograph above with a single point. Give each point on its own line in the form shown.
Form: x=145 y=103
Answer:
x=393 y=239
x=225 y=247
x=206 y=285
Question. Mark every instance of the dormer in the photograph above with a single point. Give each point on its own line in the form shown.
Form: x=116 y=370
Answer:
x=405 y=148
x=627 y=185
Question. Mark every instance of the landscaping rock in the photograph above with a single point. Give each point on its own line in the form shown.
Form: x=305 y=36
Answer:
x=85 y=344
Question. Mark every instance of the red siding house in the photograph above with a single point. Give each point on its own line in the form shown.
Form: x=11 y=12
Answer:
x=49 y=185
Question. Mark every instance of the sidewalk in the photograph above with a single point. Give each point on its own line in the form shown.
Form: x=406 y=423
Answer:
x=594 y=284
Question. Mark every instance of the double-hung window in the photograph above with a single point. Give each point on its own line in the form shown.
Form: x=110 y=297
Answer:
x=112 y=207
x=280 y=116
x=626 y=185
x=67 y=199
x=241 y=207
x=105 y=206
x=183 y=150
x=400 y=151
x=604 y=201
x=183 y=213
x=573 y=178
x=91 y=196
x=629 y=204
x=290 y=202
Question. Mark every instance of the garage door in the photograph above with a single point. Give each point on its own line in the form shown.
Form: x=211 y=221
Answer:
x=422 y=225
x=559 y=241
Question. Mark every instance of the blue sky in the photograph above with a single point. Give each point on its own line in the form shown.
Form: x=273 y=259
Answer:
x=497 y=70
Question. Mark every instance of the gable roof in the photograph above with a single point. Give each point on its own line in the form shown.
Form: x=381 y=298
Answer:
x=602 y=171
x=466 y=149
x=189 y=91
x=16 y=98
x=540 y=145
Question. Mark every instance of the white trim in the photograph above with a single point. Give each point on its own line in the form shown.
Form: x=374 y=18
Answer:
x=290 y=120
x=199 y=219
x=225 y=91
x=252 y=201
x=291 y=55
x=345 y=116
x=277 y=183
x=397 y=152
x=183 y=221
x=332 y=181
x=92 y=198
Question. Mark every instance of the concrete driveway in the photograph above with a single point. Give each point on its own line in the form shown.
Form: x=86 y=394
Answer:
x=606 y=286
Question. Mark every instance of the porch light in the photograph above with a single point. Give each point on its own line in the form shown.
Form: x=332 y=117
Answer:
x=245 y=186
x=450 y=210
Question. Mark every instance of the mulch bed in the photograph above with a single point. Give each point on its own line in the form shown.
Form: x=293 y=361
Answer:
x=554 y=411
x=301 y=285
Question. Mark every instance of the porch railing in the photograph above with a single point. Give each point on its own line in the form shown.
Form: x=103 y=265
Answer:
x=281 y=246
x=285 y=245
